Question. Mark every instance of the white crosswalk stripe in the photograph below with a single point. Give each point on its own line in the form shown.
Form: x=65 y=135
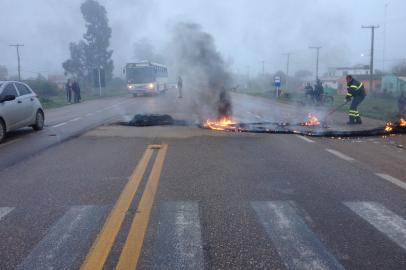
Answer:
x=296 y=244
x=67 y=240
x=383 y=219
x=4 y=211
x=179 y=244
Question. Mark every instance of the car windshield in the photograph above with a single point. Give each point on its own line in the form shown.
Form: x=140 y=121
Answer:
x=203 y=134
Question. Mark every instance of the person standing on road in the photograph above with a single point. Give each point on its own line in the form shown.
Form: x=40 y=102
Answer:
x=76 y=91
x=180 y=85
x=309 y=92
x=69 y=90
x=356 y=92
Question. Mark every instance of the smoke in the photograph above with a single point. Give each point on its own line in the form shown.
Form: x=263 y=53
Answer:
x=196 y=59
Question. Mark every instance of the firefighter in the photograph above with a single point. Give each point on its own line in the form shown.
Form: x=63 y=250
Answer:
x=356 y=92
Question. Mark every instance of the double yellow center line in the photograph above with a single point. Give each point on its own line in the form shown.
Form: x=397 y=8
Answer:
x=101 y=248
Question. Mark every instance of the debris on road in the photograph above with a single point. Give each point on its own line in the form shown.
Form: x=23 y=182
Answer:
x=146 y=120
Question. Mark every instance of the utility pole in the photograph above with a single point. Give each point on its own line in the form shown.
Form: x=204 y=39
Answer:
x=371 y=65
x=384 y=37
x=17 y=46
x=317 y=48
x=287 y=68
x=263 y=67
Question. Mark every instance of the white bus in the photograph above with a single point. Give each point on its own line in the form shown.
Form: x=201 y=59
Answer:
x=146 y=78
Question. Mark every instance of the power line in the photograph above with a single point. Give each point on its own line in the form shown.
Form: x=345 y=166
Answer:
x=263 y=67
x=17 y=46
x=371 y=65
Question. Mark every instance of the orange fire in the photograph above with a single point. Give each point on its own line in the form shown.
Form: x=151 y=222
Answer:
x=389 y=127
x=402 y=122
x=312 y=120
x=222 y=124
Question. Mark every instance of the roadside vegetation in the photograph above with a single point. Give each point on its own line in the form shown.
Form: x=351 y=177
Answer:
x=374 y=106
x=53 y=96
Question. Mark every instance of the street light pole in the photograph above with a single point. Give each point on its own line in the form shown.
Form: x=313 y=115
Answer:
x=17 y=46
x=317 y=48
x=263 y=67
x=100 y=91
x=384 y=37
x=287 y=69
x=371 y=65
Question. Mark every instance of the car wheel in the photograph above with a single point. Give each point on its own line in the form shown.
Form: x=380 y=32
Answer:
x=39 y=121
x=2 y=131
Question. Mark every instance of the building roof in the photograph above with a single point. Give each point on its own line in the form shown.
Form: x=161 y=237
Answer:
x=351 y=68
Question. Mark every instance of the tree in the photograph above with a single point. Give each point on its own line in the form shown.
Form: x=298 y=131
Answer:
x=93 y=51
x=3 y=73
x=76 y=66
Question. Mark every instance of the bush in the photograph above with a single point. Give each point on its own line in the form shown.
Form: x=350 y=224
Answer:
x=44 y=88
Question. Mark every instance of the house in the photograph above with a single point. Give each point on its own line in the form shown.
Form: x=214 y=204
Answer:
x=376 y=81
x=332 y=77
x=337 y=72
x=393 y=84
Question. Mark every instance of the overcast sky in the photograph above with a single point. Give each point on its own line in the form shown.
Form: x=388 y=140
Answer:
x=245 y=31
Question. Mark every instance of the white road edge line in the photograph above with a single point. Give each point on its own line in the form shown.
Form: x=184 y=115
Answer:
x=255 y=115
x=305 y=138
x=75 y=119
x=392 y=179
x=340 y=155
x=59 y=125
x=4 y=211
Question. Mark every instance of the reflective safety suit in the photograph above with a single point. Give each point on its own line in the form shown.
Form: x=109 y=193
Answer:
x=356 y=92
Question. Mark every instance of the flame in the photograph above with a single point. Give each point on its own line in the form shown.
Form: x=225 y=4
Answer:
x=222 y=124
x=312 y=120
x=402 y=122
x=389 y=127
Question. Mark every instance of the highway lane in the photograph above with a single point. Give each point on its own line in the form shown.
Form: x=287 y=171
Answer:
x=69 y=121
x=203 y=200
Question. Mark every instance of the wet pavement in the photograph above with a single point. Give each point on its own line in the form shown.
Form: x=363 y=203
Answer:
x=182 y=197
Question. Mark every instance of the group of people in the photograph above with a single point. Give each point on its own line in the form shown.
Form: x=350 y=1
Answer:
x=73 y=91
x=315 y=94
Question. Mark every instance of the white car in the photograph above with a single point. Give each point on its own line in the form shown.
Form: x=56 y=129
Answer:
x=19 y=107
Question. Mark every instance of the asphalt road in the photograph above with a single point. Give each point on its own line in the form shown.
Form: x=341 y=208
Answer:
x=81 y=194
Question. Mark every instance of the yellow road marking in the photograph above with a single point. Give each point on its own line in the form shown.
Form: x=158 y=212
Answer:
x=133 y=244
x=101 y=247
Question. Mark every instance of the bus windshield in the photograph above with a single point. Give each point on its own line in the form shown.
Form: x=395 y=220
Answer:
x=140 y=75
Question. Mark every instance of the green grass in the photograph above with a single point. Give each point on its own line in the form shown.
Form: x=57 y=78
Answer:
x=60 y=100
x=377 y=107
x=382 y=108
